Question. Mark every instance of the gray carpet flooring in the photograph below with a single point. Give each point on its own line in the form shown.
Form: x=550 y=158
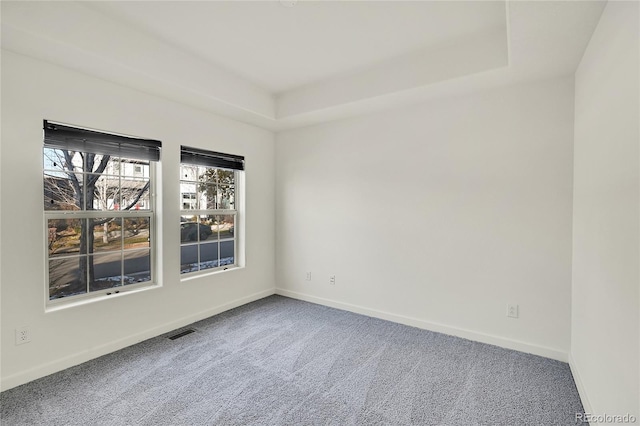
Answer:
x=280 y=361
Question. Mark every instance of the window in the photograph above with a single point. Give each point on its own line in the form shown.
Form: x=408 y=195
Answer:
x=209 y=209
x=99 y=211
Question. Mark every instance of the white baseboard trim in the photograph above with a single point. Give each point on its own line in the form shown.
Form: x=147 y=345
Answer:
x=51 y=367
x=433 y=326
x=582 y=391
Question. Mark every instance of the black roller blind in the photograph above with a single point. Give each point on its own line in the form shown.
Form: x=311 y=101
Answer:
x=202 y=157
x=61 y=136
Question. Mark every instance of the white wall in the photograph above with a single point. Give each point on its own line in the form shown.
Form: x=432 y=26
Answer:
x=437 y=215
x=33 y=91
x=57 y=32
x=605 y=296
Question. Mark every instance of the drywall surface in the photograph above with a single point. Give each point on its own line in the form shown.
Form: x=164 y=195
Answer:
x=32 y=91
x=606 y=214
x=437 y=215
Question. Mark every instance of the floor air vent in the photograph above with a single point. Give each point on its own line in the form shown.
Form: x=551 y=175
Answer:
x=182 y=334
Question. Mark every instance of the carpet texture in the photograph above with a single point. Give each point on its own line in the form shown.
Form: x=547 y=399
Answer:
x=280 y=361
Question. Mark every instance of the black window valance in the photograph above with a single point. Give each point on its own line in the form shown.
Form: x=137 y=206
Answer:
x=203 y=157
x=60 y=136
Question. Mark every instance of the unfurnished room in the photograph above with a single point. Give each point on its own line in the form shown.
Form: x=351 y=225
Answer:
x=298 y=212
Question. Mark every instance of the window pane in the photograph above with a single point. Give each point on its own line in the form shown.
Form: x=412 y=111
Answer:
x=103 y=192
x=188 y=258
x=189 y=232
x=188 y=196
x=208 y=228
x=189 y=173
x=94 y=164
x=107 y=234
x=227 y=195
x=137 y=233
x=192 y=231
x=211 y=175
x=227 y=253
x=66 y=237
x=137 y=266
x=209 y=255
x=207 y=174
x=226 y=177
x=63 y=160
x=63 y=191
x=135 y=194
x=208 y=197
x=188 y=218
x=112 y=167
x=67 y=276
x=134 y=168
x=226 y=226
x=189 y=201
x=107 y=271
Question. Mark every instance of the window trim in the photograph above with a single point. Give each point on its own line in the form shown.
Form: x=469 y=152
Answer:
x=202 y=158
x=151 y=213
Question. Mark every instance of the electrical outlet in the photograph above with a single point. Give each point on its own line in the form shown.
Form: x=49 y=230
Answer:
x=23 y=335
x=308 y=276
x=332 y=280
x=512 y=310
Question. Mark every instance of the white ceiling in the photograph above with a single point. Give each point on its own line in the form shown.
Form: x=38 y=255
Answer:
x=279 y=67
x=282 y=48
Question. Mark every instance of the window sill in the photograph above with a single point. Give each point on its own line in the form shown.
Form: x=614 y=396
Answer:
x=200 y=274
x=62 y=305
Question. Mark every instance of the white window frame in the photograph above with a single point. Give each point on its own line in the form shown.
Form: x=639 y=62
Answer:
x=150 y=213
x=199 y=213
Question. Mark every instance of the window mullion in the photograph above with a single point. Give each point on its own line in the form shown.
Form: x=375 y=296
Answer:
x=218 y=229
x=198 y=259
x=122 y=230
x=86 y=257
x=122 y=226
x=97 y=214
x=206 y=212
